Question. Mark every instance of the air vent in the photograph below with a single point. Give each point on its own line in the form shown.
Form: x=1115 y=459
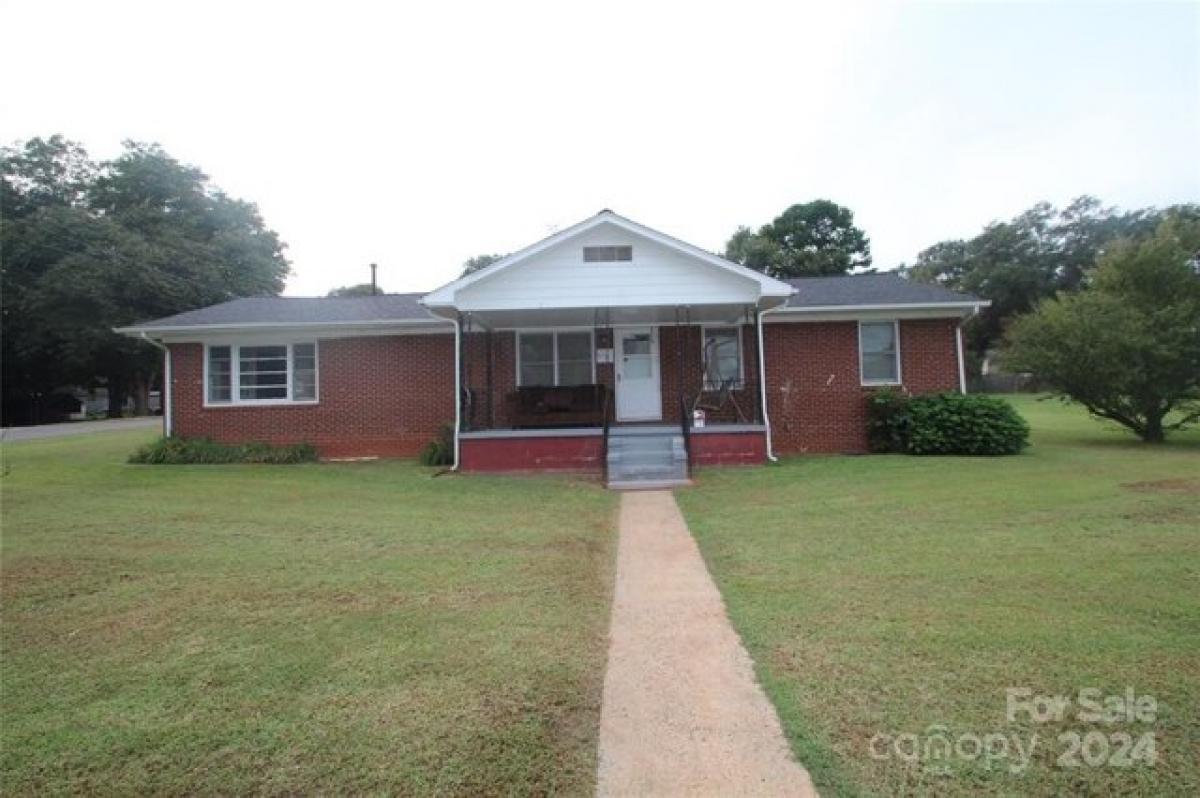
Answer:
x=607 y=254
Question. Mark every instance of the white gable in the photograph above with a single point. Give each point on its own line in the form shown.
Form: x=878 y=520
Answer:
x=554 y=274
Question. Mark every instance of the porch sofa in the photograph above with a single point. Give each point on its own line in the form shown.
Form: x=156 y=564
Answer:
x=533 y=406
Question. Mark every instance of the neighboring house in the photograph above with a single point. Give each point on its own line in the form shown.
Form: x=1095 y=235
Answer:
x=606 y=321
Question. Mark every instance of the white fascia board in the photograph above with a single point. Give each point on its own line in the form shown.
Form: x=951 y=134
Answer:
x=325 y=328
x=889 y=311
x=768 y=286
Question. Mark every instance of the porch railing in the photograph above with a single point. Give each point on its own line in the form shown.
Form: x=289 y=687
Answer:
x=685 y=428
x=604 y=439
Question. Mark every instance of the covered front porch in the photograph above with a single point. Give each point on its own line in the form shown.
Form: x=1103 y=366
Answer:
x=551 y=388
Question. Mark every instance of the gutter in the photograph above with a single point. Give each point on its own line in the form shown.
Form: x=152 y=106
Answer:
x=762 y=393
x=166 y=394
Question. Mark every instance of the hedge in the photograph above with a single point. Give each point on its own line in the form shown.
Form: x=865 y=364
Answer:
x=202 y=451
x=945 y=423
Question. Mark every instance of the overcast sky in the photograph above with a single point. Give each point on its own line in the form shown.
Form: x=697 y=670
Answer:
x=417 y=137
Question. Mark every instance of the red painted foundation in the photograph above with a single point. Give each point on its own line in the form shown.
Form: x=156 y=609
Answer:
x=729 y=448
x=541 y=453
x=583 y=452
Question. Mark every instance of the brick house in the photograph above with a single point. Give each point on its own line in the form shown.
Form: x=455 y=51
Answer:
x=607 y=346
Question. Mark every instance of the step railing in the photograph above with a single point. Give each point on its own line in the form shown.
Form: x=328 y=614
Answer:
x=685 y=428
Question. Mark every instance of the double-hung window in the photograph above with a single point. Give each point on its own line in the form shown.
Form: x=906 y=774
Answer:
x=722 y=357
x=555 y=358
x=879 y=352
x=261 y=373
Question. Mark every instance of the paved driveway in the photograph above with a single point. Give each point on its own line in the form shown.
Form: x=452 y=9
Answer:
x=79 y=428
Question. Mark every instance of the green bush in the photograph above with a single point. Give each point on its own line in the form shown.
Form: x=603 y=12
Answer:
x=943 y=423
x=887 y=421
x=440 y=450
x=202 y=451
x=955 y=423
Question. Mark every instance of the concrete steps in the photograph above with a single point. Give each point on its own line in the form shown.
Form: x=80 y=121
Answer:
x=646 y=458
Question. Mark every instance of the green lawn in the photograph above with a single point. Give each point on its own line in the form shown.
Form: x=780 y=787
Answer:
x=888 y=594
x=297 y=629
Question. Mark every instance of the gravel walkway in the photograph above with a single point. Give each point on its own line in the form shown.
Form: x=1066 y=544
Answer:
x=682 y=712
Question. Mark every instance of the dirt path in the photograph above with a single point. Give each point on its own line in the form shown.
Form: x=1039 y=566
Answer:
x=682 y=713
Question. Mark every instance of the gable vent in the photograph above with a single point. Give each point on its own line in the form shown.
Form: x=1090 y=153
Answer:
x=607 y=254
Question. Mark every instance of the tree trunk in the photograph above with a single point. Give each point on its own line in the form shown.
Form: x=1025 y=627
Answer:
x=116 y=397
x=1153 y=431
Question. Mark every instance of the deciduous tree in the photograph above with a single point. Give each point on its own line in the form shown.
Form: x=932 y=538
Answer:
x=1126 y=346
x=806 y=240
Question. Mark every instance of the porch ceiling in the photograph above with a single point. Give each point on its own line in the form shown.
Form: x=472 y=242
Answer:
x=607 y=317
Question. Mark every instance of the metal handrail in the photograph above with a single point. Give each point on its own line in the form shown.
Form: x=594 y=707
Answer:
x=604 y=439
x=685 y=427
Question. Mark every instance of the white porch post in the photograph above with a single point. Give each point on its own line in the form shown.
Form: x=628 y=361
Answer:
x=457 y=388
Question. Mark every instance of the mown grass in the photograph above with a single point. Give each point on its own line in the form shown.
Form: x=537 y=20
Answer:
x=892 y=594
x=298 y=629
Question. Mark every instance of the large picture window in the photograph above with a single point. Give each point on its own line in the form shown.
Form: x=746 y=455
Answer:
x=261 y=373
x=555 y=358
x=879 y=352
x=722 y=355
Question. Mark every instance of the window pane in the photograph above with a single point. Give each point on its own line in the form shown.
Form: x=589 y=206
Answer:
x=878 y=337
x=575 y=346
x=879 y=367
x=878 y=341
x=262 y=372
x=220 y=370
x=537 y=374
x=537 y=348
x=304 y=372
x=575 y=372
x=637 y=344
x=722 y=356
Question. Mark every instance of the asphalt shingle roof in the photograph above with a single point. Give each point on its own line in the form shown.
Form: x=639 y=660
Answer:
x=869 y=289
x=300 y=310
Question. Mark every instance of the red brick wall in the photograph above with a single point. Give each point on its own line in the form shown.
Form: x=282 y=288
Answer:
x=815 y=397
x=387 y=396
x=382 y=396
x=670 y=341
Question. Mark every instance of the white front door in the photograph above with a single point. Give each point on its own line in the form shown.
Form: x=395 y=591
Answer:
x=639 y=393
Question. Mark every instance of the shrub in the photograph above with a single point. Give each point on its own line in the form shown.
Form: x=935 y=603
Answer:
x=440 y=450
x=202 y=451
x=887 y=421
x=954 y=423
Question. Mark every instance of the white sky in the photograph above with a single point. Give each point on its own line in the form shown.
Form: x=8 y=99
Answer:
x=417 y=135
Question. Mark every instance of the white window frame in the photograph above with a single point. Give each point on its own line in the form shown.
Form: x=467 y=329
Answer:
x=741 y=352
x=235 y=369
x=899 y=360
x=553 y=333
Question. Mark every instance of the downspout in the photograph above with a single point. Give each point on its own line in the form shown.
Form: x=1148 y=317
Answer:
x=762 y=393
x=962 y=371
x=166 y=394
x=457 y=387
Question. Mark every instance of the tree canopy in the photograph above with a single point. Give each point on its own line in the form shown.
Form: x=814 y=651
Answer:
x=1127 y=345
x=91 y=246
x=472 y=265
x=806 y=240
x=361 y=289
x=1043 y=251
